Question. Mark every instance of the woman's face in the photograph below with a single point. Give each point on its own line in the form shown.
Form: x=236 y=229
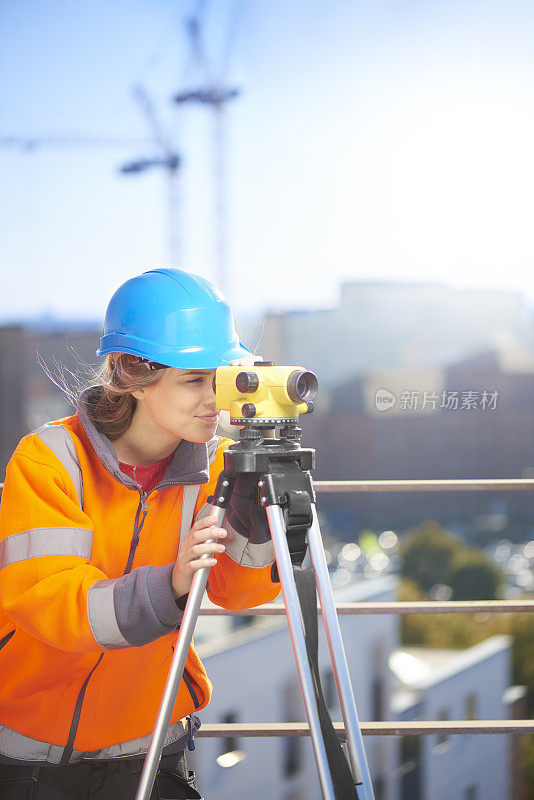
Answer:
x=181 y=404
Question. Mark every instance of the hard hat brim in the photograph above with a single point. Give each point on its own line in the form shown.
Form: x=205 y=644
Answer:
x=182 y=358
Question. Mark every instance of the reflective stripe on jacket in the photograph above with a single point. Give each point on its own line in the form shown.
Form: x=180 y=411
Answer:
x=87 y=616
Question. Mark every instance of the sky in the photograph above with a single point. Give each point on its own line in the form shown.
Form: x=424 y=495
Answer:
x=388 y=140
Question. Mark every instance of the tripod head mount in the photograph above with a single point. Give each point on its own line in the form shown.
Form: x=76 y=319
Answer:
x=265 y=396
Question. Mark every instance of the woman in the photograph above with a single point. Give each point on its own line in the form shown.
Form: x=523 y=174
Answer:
x=93 y=582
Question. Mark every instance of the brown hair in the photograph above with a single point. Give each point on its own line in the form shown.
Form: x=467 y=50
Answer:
x=111 y=409
x=110 y=405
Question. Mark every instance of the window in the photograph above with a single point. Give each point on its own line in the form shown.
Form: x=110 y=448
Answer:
x=378 y=699
x=230 y=754
x=471 y=706
x=410 y=751
x=378 y=686
x=410 y=768
x=379 y=787
x=442 y=738
x=292 y=755
x=292 y=745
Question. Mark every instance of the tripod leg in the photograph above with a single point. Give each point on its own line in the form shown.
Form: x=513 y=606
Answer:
x=187 y=627
x=355 y=746
x=289 y=590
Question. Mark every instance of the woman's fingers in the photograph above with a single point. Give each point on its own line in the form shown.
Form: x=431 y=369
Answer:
x=207 y=548
x=206 y=522
x=208 y=528
x=198 y=550
x=204 y=541
x=206 y=562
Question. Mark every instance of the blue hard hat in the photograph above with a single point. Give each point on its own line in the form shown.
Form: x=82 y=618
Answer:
x=174 y=318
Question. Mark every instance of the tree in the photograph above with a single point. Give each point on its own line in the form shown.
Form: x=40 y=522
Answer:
x=473 y=576
x=431 y=555
x=443 y=630
x=426 y=554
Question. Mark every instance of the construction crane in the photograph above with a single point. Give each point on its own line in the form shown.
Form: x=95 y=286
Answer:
x=170 y=161
x=216 y=95
x=30 y=143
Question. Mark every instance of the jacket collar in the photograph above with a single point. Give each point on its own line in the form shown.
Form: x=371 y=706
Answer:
x=189 y=464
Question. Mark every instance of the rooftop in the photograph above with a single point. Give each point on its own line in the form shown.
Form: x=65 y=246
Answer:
x=418 y=668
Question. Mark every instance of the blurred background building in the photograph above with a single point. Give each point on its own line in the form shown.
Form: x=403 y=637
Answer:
x=28 y=396
x=447 y=684
x=390 y=681
x=404 y=325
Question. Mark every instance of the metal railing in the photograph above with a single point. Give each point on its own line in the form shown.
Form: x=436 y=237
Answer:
x=392 y=727
x=419 y=607
x=452 y=485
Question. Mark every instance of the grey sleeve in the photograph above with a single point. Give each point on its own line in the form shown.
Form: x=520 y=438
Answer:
x=145 y=607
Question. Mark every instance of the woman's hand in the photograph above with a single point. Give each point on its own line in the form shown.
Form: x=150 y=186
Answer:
x=195 y=545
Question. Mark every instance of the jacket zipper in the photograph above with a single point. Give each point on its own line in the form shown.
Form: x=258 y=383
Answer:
x=67 y=752
x=137 y=530
x=192 y=692
x=6 y=639
x=187 y=681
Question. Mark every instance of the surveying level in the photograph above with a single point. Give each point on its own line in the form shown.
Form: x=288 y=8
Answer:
x=265 y=396
x=260 y=398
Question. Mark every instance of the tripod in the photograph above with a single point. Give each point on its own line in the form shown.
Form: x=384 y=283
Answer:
x=286 y=492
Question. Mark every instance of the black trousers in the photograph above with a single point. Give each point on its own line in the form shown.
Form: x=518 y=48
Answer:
x=116 y=779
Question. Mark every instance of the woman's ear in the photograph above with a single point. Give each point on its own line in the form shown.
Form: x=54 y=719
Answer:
x=139 y=394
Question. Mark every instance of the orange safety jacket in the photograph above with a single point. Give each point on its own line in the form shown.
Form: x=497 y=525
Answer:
x=87 y=616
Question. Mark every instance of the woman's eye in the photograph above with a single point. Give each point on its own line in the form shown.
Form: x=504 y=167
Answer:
x=195 y=380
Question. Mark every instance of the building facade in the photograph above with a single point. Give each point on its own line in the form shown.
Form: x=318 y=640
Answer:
x=388 y=324
x=469 y=420
x=28 y=397
x=255 y=680
x=469 y=684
